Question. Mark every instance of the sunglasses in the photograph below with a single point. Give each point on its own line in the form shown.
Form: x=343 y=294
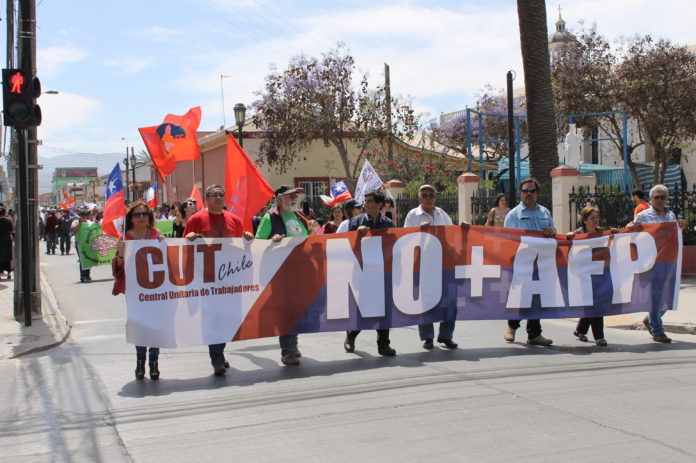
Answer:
x=140 y=214
x=660 y=197
x=527 y=190
x=216 y=195
x=192 y=201
x=427 y=195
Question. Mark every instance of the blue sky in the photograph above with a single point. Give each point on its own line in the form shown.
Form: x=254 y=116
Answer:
x=123 y=65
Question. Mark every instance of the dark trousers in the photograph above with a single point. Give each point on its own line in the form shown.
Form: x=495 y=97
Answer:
x=382 y=336
x=533 y=327
x=65 y=244
x=50 y=243
x=597 y=324
x=141 y=351
x=216 y=352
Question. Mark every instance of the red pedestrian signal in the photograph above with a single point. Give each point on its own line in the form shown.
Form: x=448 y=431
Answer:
x=20 y=89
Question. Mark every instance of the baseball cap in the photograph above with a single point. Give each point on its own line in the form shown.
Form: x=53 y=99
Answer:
x=285 y=190
x=427 y=187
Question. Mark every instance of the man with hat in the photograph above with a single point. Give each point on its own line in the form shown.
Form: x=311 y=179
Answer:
x=371 y=220
x=286 y=220
x=351 y=208
x=425 y=215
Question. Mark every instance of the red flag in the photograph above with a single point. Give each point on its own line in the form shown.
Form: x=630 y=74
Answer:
x=173 y=140
x=68 y=200
x=196 y=194
x=247 y=191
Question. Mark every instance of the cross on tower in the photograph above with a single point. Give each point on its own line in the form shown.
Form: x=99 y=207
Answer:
x=477 y=271
x=559 y=11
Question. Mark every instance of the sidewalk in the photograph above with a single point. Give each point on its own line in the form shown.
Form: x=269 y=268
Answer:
x=45 y=332
x=53 y=329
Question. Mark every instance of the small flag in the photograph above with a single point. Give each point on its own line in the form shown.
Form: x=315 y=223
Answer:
x=150 y=196
x=196 y=194
x=339 y=193
x=115 y=203
x=367 y=182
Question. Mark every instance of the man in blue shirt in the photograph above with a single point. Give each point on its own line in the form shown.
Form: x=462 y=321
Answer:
x=371 y=220
x=528 y=215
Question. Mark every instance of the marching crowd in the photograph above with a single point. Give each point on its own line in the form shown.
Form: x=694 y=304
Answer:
x=286 y=218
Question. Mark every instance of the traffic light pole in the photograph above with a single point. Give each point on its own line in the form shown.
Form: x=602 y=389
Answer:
x=23 y=183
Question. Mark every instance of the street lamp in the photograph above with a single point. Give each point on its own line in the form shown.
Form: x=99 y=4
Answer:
x=127 y=163
x=239 y=118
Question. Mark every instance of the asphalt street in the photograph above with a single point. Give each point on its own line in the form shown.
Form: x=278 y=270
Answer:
x=488 y=401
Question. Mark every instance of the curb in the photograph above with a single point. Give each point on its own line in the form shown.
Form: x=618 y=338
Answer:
x=54 y=319
x=677 y=329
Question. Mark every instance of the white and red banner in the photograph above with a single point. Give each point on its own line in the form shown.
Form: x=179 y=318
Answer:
x=186 y=293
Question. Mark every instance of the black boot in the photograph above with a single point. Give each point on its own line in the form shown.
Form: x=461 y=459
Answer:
x=140 y=369
x=154 y=371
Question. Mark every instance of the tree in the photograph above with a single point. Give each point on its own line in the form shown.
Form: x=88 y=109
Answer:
x=655 y=82
x=543 y=154
x=315 y=99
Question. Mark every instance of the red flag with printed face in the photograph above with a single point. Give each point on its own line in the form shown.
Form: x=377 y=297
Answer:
x=247 y=190
x=173 y=140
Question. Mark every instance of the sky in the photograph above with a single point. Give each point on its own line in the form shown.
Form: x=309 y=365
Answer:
x=122 y=65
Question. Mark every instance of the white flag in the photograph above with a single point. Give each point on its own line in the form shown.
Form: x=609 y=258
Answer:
x=367 y=182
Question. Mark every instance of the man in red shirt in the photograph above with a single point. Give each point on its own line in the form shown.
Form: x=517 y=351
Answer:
x=215 y=222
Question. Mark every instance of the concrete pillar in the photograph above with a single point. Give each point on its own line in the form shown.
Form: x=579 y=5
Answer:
x=467 y=187
x=563 y=179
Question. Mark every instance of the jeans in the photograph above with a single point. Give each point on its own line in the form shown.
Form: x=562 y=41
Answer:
x=65 y=244
x=288 y=344
x=50 y=243
x=597 y=324
x=140 y=353
x=533 y=327
x=217 y=354
x=655 y=319
x=427 y=330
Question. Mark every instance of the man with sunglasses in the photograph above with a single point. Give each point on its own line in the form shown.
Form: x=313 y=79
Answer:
x=529 y=215
x=215 y=222
x=286 y=220
x=425 y=215
x=658 y=212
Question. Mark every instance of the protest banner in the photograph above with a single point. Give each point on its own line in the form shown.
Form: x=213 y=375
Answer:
x=184 y=293
x=93 y=246
x=166 y=227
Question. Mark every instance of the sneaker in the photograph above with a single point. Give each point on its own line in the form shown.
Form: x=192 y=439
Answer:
x=580 y=336
x=646 y=323
x=349 y=344
x=219 y=369
x=661 y=338
x=428 y=344
x=290 y=359
x=539 y=341
x=509 y=334
x=448 y=343
x=601 y=342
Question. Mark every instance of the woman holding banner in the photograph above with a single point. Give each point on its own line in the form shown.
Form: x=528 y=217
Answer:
x=140 y=225
x=589 y=218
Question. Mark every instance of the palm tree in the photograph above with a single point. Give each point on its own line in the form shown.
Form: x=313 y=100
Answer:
x=543 y=154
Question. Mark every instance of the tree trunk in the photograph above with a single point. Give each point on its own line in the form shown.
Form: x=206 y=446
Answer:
x=543 y=153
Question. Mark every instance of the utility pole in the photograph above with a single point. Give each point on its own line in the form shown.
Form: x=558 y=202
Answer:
x=387 y=98
x=27 y=296
x=511 y=140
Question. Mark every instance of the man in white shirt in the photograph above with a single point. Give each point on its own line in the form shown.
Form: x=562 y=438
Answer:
x=351 y=208
x=424 y=216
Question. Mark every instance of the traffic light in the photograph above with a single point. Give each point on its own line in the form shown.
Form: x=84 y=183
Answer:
x=19 y=90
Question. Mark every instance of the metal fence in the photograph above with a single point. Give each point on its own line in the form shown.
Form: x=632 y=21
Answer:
x=616 y=207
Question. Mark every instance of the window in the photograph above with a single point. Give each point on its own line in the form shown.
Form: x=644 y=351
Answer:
x=313 y=186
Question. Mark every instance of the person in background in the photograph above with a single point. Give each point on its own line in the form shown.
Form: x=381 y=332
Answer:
x=6 y=234
x=388 y=210
x=371 y=220
x=51 y=228
x=351 y=208
x=85 y=218
x=256 y=220
x=425 y=215
x=658 y=212
x=496 y=216
x=140 y=225
x=307 y=211
x=42 y=225
x=638 y=198
x=529 y=215
x=337 y=216
x=215 y=222
x=65 y=224
x=285 y=220
x=183 y=213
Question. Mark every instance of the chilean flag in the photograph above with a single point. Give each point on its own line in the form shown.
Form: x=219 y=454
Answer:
x=115 y=203
x=150 y=196
x=339 y=193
